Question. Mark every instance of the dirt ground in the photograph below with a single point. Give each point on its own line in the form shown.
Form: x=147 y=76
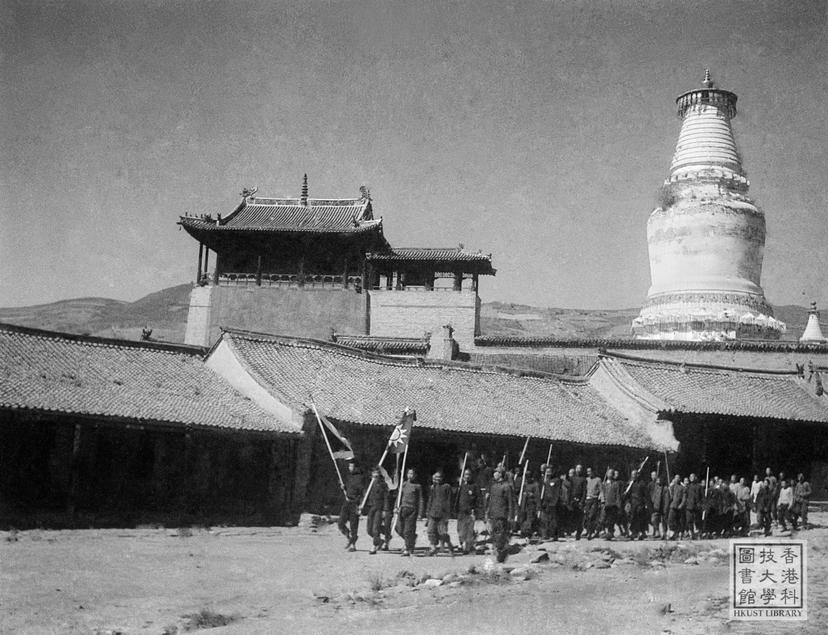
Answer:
x=301 y=580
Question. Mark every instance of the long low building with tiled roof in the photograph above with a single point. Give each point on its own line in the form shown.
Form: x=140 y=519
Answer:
x=135 y=381
x=102 y=432
x=363 y=388
x=670 y=387
x=734 y=419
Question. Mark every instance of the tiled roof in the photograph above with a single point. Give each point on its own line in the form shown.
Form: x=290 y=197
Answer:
x=359 y=387
x=726 y=391
x=290 y=215
x=439 y=254
x=532 y=341
x=387 y=345
x=451 y=257
x=55 y=372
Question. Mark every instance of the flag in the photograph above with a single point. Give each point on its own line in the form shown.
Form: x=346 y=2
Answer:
x=402 y=433
x=340 y=446
x=387 y=478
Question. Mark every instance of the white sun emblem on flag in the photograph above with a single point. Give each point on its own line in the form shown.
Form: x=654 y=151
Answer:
x=398 y=437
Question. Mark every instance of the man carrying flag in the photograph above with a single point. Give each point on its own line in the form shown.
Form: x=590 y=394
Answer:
x=353 y=486
x=349 y=513
x=376 y=507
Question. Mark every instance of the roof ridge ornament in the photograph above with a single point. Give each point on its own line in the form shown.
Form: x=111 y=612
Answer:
x=248 y=192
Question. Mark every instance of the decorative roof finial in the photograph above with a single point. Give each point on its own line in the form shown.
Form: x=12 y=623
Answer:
x=304 y=200
x=707 y=82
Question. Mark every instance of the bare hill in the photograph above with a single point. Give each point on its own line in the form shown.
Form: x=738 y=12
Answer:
x=165 y=312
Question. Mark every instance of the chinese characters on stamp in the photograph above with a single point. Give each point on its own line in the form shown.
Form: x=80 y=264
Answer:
x=768 y=580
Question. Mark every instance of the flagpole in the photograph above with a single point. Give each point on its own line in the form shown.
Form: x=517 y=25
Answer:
x=667 y=466
x=328 y=443
x=399 y=490
x=549 y=455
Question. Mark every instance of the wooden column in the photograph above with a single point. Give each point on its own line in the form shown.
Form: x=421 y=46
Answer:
x=389 y=280
x=429 y=280
x=216 y=273
x=302 y=272
x=458 y=281
x=345 y=273
x=475 y=279
x=186 y=480
x=200 y=256
x=75 y=475
x=258 y=271
x=206 y=260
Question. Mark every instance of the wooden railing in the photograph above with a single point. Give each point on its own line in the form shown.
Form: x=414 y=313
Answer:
x=331 y=281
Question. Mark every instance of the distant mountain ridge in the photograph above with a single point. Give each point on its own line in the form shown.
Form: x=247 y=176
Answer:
x=165 y=312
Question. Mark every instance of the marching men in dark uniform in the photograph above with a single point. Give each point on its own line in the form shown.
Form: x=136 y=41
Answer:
x=438 y=512
x=468 y=501
x=376 y=508
x=349 y=512
x=550 y=500
x=500 y=511
x=412 y=506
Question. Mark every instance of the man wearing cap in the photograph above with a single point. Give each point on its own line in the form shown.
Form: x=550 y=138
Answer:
x=578 y=496
x=349 y=513
x=411 y=506
x=550 y=502
x=637 y=492
x=468 y=501
x=528 y=508
x=693 y=505
x=612 y=502
x=592 y=504
x=438 y=512
x=500 y=509
x=802 y=496
x=375 y=507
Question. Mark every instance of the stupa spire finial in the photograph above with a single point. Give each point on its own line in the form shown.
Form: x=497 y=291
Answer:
x=304 y=198
x=707 y=82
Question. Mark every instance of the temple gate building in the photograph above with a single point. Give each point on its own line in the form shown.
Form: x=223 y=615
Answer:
x=321 y=267
x=707 y=237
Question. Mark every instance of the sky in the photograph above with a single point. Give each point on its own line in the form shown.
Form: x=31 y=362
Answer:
x=538 y=132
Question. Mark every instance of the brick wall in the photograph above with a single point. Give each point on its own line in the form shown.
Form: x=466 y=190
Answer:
x=296 y=312
x=411 y=313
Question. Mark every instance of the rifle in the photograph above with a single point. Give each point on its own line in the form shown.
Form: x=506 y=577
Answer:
x=462 y=472
x=640 y=467
x=523 y=452
x=706 y=484
x=522 y=485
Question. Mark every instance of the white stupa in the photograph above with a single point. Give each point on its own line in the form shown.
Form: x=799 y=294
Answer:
x=706 y=240
x=812 y=333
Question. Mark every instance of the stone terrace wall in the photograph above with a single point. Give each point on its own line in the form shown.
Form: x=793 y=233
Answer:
x=296 y=312
x=411 y=313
